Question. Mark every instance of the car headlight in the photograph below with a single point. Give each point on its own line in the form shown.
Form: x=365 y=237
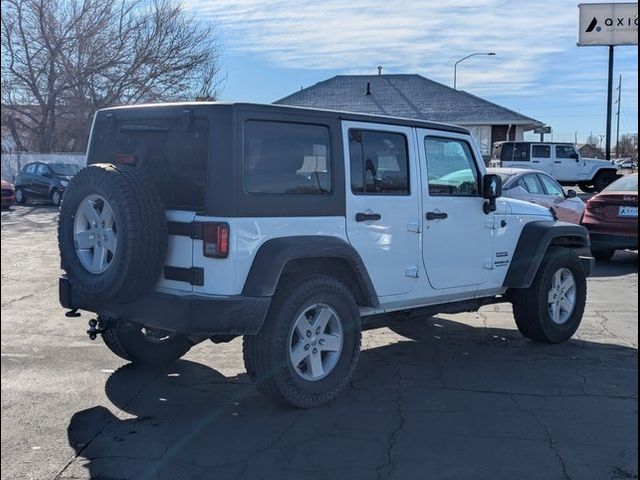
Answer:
x=64 y=183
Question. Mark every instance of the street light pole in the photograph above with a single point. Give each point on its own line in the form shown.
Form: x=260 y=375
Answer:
x=455 y=66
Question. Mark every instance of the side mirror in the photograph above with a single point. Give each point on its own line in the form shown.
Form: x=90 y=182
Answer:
x=571 y=194
x=491 y=189
x=575 y=156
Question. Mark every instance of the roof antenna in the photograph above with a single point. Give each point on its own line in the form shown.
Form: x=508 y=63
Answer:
x=368 y=88
x=379 y=70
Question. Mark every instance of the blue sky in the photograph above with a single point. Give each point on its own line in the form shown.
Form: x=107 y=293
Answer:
x=273 y=47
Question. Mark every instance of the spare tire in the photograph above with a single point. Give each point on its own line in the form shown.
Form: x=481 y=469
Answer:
x=112 y=234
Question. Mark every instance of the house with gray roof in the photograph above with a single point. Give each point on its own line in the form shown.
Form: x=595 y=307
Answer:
x=414 y=96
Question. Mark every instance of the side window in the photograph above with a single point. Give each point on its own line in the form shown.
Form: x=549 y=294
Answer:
x=516 y=152
x=541 y=151
x=284 y=157
x=42 y=170
x=30 y=169
x=379 y=163
x=551 y=186
x=531 y=184
x=565 y=151
x=451 y=168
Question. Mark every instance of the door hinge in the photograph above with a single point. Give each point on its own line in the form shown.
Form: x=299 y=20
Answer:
x=413 y=227
x=412 y=271
x=487 y=264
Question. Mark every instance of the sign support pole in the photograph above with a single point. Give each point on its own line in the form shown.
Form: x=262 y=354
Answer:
x=609 y=104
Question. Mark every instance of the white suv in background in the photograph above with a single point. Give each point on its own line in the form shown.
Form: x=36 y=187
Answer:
x=297 y=228
x=560 y=160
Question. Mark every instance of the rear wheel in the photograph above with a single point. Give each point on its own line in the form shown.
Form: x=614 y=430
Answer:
x=307 y=349
x=603 y=254
x=551 y=309
x=146 y=345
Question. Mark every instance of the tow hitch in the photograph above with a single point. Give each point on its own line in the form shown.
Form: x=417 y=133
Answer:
x=95 y=328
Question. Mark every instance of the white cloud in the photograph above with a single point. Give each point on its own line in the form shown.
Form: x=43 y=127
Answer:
x=534 y=41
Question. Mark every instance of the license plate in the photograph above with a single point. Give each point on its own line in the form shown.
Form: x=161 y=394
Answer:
x=628 y=212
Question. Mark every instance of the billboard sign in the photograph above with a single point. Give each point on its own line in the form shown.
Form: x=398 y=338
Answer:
x=608 y=24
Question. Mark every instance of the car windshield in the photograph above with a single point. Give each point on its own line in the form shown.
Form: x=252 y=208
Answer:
x=625 y=184
x=66 y=169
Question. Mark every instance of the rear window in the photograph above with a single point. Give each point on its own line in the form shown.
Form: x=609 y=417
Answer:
x=286 y=158
x=625 y=184
x=170 y=150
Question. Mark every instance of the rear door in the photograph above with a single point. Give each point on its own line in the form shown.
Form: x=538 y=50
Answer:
x=383 y=204
x=41 y=181
x=541 y=158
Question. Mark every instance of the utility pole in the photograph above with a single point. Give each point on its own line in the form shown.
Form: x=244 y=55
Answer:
x=575 y=141
x=618 y=118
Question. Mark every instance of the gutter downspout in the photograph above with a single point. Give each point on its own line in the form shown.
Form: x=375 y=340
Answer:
x=508 y=132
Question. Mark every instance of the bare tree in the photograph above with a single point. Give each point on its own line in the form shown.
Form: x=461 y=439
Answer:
x=63 y=59
x=593 y=140
x=628 y=146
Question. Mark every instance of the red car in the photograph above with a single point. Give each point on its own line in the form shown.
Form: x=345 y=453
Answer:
x=8 y=194
x=612 y=218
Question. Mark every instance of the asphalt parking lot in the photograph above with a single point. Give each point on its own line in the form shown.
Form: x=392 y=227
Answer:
x=451 y=397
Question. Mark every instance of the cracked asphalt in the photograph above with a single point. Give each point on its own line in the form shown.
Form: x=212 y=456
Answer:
x=450 y=397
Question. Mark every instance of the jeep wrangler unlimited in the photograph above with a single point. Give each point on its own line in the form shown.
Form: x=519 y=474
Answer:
x=297 y=228
x=560 y=160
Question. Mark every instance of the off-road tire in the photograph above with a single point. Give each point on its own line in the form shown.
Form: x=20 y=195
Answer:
x=21 y=198
x=130 y=344
x=604 y=179
x=142 y=234
x=266 y=355
x=603 y=254
x=531 y=307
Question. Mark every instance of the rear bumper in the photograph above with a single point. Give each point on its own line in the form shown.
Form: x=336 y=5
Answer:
x=189 y=314
x=618 y=242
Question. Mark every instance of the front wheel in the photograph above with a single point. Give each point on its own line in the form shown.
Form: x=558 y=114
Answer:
x=307 y=349
x=145 y=345
x=604 y=179
x=21 y=198
x=551 y=309
x=56 y=198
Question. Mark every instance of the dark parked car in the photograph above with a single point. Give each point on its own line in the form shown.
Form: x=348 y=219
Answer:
x=612 y=218
x=44 y=181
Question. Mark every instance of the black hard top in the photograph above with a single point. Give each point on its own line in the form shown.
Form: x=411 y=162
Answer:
x=303 y=111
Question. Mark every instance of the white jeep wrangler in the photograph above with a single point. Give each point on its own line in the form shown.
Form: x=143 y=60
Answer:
x=298 y=228
x=560 y=160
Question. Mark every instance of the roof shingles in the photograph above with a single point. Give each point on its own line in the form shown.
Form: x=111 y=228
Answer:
x=409 y=96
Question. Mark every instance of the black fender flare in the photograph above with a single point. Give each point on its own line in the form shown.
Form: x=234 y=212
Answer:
x=273 y=255
x=535 y=239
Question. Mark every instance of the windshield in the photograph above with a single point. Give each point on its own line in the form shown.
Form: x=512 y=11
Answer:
x=65 y=169
x=625 y=184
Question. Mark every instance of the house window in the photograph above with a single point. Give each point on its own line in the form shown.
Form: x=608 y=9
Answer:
x=482 y=135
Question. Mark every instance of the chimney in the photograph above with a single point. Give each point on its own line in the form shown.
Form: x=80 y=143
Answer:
x=379 y=70
x=368 y=88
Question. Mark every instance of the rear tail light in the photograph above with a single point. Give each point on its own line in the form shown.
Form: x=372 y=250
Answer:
x=215 y=240
x=595 y=207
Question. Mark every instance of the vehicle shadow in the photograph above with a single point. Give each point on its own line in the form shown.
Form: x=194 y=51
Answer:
x=624 y=262
x=440 y=399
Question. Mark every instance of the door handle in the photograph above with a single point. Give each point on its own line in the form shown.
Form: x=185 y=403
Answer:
x=363 y=217
x=558 y=161
x=436 y=215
